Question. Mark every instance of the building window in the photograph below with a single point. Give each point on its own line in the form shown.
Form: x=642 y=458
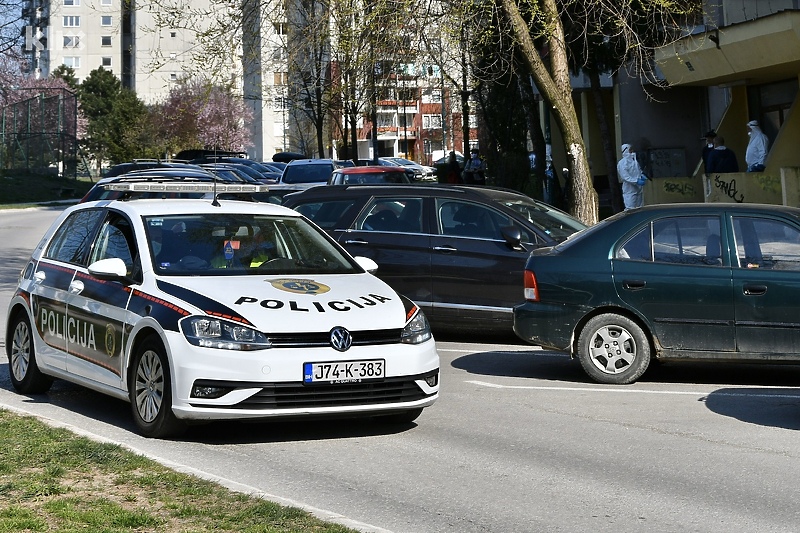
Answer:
x=281 y=78
x=473 y=121
x=173 y=55
x=173 y=34
x=280 y=103
x=280 y=28
x=105 y=2
x=106 y=63
x=431 y=122
x=72 y=2
x=105 y=20
x=431 y=96
x=71 y=41
x=105 y=40
x=74 y=62
x=72 y=21
x=173 y=76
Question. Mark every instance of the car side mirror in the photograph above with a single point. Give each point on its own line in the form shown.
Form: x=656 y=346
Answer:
x=112 y=269
x=366 y=263
x=513 y=237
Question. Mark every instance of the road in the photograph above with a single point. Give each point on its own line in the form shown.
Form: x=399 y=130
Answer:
x=520 y=441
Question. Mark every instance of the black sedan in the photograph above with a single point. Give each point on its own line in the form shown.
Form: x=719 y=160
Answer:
x=457 y=251
x=714 y=282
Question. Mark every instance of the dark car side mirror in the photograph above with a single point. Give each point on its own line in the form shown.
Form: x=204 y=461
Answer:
x=513 y=237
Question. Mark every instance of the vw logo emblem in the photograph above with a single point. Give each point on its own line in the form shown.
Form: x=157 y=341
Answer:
x=341 y=339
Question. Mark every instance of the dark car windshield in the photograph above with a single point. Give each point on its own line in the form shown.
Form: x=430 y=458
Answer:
x=557 y=224
x=307 y=173
x=241 y=244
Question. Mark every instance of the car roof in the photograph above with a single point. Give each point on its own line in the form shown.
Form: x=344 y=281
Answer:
x=426 y=190
x=296 y=162
x=369 y=170
x=155 y=207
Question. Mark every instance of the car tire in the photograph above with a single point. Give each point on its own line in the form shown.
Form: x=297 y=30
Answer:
x=22 y=367
x=150 y=392
x=613 y=349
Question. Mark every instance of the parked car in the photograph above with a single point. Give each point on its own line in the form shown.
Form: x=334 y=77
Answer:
x=368 y=176
x=199 y=310
x=244 y=172
x=304 y=173
x=262 y=171
x=457 y=251
x=143 y=164
x=711 y=282
x=103 y=189
x=421 y=172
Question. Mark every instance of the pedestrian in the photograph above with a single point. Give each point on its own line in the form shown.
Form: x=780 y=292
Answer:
x=721 y=159
x=453 y=172
x=756 y=154
x=709 y=145
x=630 y=175
x=475 y=169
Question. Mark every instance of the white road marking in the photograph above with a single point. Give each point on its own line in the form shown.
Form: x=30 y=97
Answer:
x=640 y=391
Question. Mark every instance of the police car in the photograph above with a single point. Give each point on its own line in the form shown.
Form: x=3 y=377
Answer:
x=206 y=309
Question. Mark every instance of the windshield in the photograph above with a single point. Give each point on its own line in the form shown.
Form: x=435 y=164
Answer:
x=241 y=244
x=315 y=173
x=557 y=224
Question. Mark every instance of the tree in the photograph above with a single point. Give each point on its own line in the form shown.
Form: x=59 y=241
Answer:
x=200 y=114
x=639 y=25
x=111 y=112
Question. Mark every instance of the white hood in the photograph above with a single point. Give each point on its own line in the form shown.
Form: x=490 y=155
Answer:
x=276 y=304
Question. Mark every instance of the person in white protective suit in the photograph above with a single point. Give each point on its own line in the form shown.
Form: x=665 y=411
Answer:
x=756 y=154
x=630 y=175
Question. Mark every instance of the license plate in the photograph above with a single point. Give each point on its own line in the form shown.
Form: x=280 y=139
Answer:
x=344 y=371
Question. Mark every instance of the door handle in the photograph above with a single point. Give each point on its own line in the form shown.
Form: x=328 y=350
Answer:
x=355 y=241
x=634 y=284
x=754 y=290
x=445 y=248
x=76 y=287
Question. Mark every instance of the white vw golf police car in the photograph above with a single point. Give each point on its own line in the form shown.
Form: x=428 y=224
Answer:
x=196 y=310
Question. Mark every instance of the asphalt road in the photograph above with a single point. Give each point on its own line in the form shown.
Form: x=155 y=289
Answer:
x=520 y=441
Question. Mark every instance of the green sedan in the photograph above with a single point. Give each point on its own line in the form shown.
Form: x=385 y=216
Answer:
x=679 y=282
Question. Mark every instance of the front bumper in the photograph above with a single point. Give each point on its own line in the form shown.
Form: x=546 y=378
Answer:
x=269 y=383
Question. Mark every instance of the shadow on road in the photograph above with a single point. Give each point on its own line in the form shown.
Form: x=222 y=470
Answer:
x=778 y=408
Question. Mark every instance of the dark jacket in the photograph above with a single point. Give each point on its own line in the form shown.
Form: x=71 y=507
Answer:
x=722 y=160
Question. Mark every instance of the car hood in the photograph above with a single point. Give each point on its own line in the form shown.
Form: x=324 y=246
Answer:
x=293 y=303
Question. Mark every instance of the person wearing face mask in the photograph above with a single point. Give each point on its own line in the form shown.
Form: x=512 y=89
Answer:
x=631 y=177
x=756 y=154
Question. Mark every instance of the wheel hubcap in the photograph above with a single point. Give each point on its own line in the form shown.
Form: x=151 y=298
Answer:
x=20 y=351
x=612 y=349
x=149 y=386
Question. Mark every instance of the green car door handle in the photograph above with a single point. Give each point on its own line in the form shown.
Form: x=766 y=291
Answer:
x=754 y=290
x=634 y=284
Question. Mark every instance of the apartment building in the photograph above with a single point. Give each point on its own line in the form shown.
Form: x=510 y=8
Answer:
x=149 y=57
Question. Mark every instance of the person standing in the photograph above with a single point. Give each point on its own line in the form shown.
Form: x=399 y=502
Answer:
x=756 y=154
x=721 y=159
x=630 y=175
x=709 y=138
x=475 y=169
x=453 y=169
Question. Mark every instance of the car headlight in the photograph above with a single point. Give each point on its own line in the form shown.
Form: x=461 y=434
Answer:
x=211 y=332
x=417 y=329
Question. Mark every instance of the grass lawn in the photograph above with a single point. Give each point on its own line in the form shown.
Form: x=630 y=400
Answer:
x=53 y=480
x=29 y=189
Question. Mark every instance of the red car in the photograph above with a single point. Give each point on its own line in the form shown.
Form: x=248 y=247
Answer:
x=369 y=175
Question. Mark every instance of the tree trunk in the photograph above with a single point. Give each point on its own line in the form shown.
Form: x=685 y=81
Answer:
x=608 y=147
x=556 y=89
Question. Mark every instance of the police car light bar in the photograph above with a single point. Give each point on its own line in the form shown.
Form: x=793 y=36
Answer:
x=187 y=187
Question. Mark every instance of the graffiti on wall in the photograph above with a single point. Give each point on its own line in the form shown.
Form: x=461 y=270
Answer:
x=768 y=183
x=679 y=187
x=728 y=188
